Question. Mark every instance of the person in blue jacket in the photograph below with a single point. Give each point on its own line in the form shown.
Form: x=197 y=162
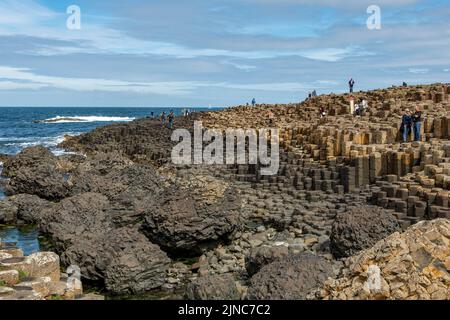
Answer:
x=406 y=125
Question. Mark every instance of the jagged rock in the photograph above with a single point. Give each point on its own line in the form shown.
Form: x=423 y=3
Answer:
x=291 y=278
x=182 y=224
x=84 y=234
x=34 y=171
x=359 y=228
x=412 y=265
x=261 y=256
x=215 y=287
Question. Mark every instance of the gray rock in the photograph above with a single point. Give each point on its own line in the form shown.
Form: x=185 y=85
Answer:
x=360 y=228
x=261 y=256
x=215 y=287
x=290 y=278
x=35 y=171
x=184 y=225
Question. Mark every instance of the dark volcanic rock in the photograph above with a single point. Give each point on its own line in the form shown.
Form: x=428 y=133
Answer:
x=35 y=171
x=8 y=211
x=291 y=278
x=184 y=225
x=261 y=256
x=360 y=228
x=23 y=208
x=215 y=287
x=84 y=235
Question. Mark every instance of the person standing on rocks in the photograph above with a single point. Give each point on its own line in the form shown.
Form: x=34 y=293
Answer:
x=163 y=119
x=417 y=124
x=253 y=102
x=406 y=125
x=171 y=119
x=271 y=117
x=351 y=84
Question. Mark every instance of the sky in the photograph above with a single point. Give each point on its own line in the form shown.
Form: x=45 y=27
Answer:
x=198 y=53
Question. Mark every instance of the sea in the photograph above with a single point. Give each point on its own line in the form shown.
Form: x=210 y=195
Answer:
x=22 y=127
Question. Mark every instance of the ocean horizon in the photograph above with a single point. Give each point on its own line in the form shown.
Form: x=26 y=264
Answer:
x=22 y=127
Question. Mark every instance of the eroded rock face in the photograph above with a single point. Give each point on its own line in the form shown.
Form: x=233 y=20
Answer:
x=182 y=223
x=215 y=287
x=412 y=265
x=294 y=277
x=35 y=171
x=359 y=228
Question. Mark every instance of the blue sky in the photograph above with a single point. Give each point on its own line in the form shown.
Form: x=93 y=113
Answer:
x=160 y=53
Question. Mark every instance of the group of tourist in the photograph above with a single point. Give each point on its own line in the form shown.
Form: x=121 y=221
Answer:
x=361 y=107
x=170 y=119
x=411 y=122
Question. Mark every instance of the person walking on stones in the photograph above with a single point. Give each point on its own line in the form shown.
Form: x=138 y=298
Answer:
x=271 y=117
x=253 y=102
x=351 y=84
x=322 y=112
x=171 y=119
x=417 y=124
x=163 y=119
x=314 y=94
x=406 y=125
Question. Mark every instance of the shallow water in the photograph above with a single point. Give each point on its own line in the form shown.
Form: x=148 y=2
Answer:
x=27 y=239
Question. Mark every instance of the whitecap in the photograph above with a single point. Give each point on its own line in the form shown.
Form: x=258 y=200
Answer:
x=62 y=119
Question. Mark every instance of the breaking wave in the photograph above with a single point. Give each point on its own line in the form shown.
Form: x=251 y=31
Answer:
x=61 y=119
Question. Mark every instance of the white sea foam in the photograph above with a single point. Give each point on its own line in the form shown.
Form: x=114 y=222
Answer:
x=62 y=119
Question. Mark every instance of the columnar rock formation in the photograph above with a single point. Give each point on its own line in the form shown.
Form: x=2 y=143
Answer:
x=135 y=222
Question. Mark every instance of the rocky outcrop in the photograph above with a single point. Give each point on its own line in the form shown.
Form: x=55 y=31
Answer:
x=22 y=209
x=412 y=265
x=215 y=287
x=83 y=232
x=261 y=256
x=291 y=278
x=359 y=228
x=182 y=223
x=35 y=171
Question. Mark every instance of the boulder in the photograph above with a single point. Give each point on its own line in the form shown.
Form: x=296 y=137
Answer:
x=35 y=171
x=294 y=277
x=185 y=224
x=213 y=287
x=261 y=256
x=84 y=234
x=359 y=228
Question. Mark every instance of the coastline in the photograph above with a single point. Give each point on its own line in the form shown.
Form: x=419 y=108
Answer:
x=127 y=215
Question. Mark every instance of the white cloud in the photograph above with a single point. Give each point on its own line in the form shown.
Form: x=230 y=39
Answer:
x=23 y=78
x=244 y=67
x=419 y=70
x=35 y=21
x=446 y=70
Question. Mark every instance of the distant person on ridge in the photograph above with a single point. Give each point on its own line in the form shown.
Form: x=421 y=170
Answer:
x=163 y=119
x=253 y=102
x=406 y=125
x=314 y=93
x=417 y=124
x=271 y=117
x=171 y=119
x=351 y=84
